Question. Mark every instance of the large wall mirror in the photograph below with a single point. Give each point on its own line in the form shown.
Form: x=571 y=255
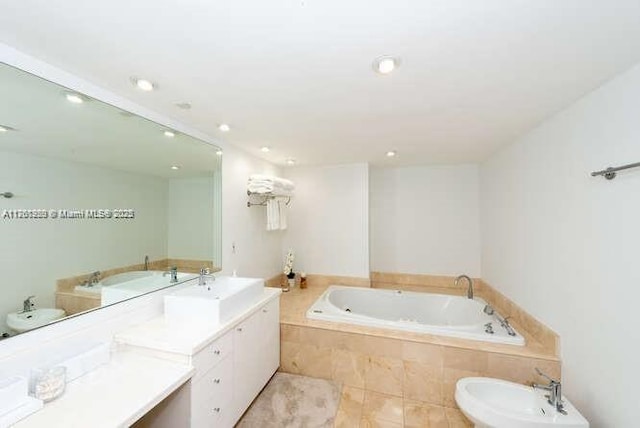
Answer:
x=97 y=205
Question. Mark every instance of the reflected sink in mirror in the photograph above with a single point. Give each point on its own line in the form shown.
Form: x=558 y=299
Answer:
x=25 y=321
x=216 y=302
x=113 y=280
x=136 y=284
x=489 y=402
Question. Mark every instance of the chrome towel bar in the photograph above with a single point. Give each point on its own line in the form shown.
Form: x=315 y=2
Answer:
x=610 y=173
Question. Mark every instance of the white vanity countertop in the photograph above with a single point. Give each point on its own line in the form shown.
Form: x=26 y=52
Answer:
x=186 y=339
x=114 y=395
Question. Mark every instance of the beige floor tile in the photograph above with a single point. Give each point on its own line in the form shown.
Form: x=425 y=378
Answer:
x=367 y=422
x=456 y=419
x=382 y=407
x=423 y=415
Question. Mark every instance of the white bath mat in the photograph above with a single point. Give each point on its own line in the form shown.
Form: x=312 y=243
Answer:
x=290 y=401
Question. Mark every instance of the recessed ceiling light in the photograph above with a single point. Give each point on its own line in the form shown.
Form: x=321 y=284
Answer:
x=74 y=98
x=169 y=134
x=224 y=127
x=174 y=167
x=291 y=161
x=143 y=84
x=265 y=149
x=391 y=153
x=385 y=64
x=219 y=152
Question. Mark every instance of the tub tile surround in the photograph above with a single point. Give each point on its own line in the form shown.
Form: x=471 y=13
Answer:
x=420 y=369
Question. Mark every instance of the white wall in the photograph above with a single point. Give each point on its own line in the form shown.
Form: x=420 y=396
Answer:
x=257 y=252
x=37 y=252
x=191 y=218
x=425 y=220
x=329 y=221
x=564 y=245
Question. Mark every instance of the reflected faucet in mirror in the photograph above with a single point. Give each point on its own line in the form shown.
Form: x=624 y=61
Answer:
x=146 y=262
x=93 y=279
x=28 y=305
x=173 y=271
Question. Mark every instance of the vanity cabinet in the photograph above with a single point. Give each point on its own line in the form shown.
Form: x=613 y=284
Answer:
x=231 y=370
x=256 y=346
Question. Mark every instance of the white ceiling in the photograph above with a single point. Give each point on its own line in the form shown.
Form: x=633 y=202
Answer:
x=296 y=74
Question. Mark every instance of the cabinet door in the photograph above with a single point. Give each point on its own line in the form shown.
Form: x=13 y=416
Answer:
x=256 y=353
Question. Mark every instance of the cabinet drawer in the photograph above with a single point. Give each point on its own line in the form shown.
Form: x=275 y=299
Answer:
x=216 y=385
x=212 y=354
x=212 y=396
x=208 y=416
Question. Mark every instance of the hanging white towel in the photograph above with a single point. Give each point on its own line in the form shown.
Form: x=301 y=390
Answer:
x=273 y=214
x=282 y=212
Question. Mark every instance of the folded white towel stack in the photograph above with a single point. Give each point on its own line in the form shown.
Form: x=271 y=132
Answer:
x=267 y=184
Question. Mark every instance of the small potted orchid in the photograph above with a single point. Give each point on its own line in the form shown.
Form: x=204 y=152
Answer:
x=288 y=270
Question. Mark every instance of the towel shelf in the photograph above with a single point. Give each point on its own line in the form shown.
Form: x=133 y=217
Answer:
x=265 y=197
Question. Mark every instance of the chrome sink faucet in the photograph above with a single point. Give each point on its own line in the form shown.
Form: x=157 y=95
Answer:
x=173 y=271
x=28 y=305
x=555 y=392
x=204 y=274
x=470 y=287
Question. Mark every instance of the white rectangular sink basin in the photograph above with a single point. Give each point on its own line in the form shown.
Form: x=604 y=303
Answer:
x=214 y=303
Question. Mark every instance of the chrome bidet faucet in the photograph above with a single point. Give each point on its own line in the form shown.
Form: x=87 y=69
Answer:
x=555 y=392
x=469 y=289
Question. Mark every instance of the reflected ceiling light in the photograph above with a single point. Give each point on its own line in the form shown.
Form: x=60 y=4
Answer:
x=265 y=149
x=385 y=64
x=224 y=127
x=74 y=98
x=5 y=128
x=169 y=134
x=174 y=167
x=391 y=153
x=291 y=161
x=219 y=152
x=143 y=84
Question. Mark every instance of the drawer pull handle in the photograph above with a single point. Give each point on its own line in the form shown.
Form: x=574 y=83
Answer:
x=217 y=352
x=216 y=381
x=240 y=329
x=217 y=409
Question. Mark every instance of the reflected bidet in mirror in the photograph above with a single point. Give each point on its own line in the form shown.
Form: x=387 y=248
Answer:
x=103 y=201
x=20 y=322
